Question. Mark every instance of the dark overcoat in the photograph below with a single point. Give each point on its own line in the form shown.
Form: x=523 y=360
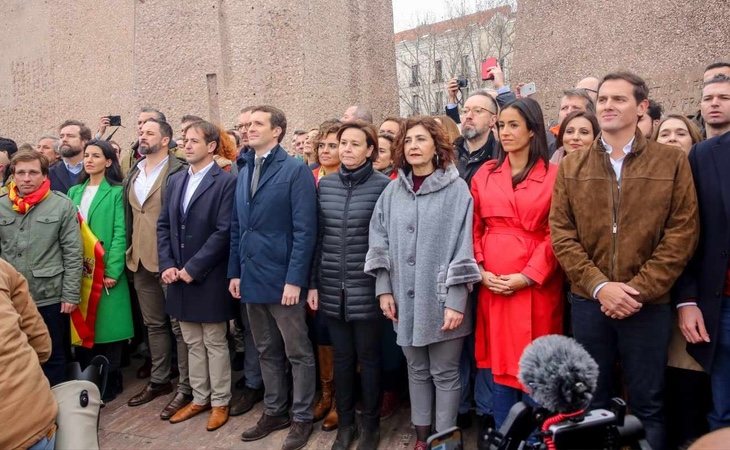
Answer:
x=198 y=241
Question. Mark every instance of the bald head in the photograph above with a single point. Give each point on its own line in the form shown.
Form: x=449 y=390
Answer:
x=357 y=112
x=590 y=84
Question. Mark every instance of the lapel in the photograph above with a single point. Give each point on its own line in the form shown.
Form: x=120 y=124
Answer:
x=101 y=194
x=721 y=156
x=204 y=185
x=276 y=157
x=158 y=181
x=503 y=180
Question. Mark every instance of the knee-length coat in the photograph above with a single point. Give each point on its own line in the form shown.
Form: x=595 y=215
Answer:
x=511 y=235
x=420 y=250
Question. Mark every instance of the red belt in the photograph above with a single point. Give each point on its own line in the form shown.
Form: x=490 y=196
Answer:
x=519 y=232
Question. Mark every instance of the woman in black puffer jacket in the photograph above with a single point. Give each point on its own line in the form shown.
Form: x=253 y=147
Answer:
x=341 y=290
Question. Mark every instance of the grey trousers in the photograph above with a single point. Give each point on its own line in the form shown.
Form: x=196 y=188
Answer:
x=209 y=362
x=280 y=333
x=435 y=367
x=152 y=304
x=251 y=364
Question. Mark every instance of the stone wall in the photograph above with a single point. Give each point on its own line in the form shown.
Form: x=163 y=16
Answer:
x=87 y=58
x=668 y=42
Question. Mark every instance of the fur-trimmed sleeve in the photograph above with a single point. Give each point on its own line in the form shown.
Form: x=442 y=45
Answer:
x=463 y=267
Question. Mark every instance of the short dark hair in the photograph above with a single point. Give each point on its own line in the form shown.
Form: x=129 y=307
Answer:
x=158 y=114
x=719 y=78
x=190 y=118
x=655 y=110
x=326 y=128
x=299 y=132
x=371 y=135
x=485 y=93
x=717 y=65
x=247 y=109
x=278 y=118
x=84 y=131
x=9 y=146
x=211 y=133
x=588 y=115
x=29 y=156
x=641 y=90
x=445 y=154
x=165 y=128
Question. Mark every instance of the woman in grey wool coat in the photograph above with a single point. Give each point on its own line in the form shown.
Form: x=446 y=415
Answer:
x=421 y=255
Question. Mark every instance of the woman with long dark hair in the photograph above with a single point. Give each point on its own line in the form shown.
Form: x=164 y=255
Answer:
x=422 y=257
x=522 y=292
x=99 y=199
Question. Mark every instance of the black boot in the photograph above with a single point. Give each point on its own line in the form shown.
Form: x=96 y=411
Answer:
x=485 y=423
x=345 y=437
x=369 y=438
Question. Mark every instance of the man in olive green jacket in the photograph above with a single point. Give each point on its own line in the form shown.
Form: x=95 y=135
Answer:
x=39 y=236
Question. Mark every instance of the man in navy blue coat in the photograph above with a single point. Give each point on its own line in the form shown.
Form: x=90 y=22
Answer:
x=273 y=235
x=703 y=291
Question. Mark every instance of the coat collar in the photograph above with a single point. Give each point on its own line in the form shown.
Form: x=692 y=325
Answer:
x=356 y=176
x=101 y=193
x=640 y=143
x=437 y=181
x=272 y=164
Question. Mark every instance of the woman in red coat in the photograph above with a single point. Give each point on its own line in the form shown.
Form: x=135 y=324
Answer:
x=521 y=297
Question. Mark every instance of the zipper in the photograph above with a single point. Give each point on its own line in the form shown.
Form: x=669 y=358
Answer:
x=343 y=262
x=615 y=199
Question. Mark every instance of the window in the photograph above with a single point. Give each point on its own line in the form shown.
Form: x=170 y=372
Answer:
x=414 y=75
x=415 y=109
x=438 y=103
x=438 y=72
x=465 y=65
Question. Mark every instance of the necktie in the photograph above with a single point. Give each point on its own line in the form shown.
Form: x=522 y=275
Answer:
x=258 y=162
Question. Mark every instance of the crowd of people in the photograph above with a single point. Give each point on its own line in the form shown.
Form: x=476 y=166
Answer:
x=429 y=251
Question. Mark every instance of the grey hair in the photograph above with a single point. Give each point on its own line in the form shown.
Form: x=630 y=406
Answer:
x=363 y=113
x=56 y=141
x=582 y=93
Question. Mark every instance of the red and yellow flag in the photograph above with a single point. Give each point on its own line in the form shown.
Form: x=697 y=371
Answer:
x=83 y=319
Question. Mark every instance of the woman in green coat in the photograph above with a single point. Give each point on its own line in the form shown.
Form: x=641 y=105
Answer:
x=99 y=199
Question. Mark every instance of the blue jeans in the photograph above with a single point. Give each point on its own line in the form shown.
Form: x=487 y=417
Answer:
x=719 y=416
x=466 y=367
x=44 y=443
x=483 y=392
x=641 y=343
x=505 y=397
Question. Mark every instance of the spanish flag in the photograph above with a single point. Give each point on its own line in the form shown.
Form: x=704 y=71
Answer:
x=83 y=319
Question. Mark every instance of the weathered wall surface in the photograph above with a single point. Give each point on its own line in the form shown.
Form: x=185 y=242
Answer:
x=668 y=42
x=84 y=59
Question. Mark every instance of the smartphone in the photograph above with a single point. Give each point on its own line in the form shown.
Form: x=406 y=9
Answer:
x=528 y=89
x=115 y=121
x=450 y=439
x=487 y=65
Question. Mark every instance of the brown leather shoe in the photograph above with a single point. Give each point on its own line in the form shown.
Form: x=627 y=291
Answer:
x=150 y=392
x=175 y=405
x=188 y=411
x=331 y=420
x=218 y=417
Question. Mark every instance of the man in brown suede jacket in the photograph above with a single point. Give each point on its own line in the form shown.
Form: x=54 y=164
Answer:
x=624 y=224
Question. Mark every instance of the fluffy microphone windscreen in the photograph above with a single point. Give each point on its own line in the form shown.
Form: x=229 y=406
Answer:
x=559 y=373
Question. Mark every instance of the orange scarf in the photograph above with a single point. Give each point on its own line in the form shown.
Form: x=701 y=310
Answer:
x=24 y=204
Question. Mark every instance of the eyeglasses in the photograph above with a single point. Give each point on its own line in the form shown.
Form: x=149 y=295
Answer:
x=242 y=126
x=29 y=173
x=477 y=111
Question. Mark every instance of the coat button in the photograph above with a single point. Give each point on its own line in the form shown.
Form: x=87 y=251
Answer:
x=182 y=227
x=182 y=245
x=411 y=293
x=411 y=262
x=250 y=229
x=411 y=229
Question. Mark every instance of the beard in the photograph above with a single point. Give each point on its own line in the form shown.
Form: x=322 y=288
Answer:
x=471 y=133
x=69 y=152
x=145 y=149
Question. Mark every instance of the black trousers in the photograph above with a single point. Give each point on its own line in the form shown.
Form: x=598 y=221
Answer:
x=641 y=343
x=357 y=341
x=58 y=324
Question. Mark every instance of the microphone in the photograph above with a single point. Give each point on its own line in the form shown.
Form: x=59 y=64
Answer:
x=559 y=374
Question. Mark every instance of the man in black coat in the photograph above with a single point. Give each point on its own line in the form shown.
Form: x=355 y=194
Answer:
x=703 y=291
x=193 y=241
x=73 y=135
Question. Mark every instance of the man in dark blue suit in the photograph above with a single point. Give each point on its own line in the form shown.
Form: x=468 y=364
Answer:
x=193 y=241
x=73 y=135
x=273 y=235
x=704 y=288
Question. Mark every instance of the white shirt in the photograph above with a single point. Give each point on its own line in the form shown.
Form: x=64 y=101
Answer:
x=143 y=183
x=194 y=180
x=618 y=164
x=86 y=198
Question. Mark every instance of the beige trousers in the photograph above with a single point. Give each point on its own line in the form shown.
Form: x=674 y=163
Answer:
x=209 y=363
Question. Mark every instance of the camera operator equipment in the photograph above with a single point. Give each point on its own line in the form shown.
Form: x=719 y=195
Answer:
x=561 y=377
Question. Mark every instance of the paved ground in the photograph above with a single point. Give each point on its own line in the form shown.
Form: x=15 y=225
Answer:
x=137 y=428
